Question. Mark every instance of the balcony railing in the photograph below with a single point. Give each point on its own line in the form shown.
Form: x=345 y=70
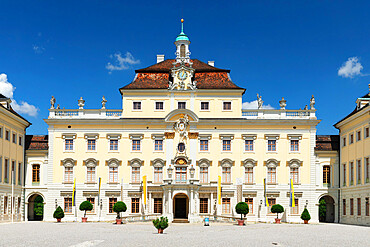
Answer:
x=84 y=113
x=278 y=114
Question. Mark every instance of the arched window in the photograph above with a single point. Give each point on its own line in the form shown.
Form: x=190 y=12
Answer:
x=182 y=50
x=271 y=165
x=158 y=165
x=203 y=170
x=68 y=170
x=249 y=165
x=135 y=170
x=226 y=165
x=91 y=170
x=113 y=170
x=35 y=173
x=294 y=165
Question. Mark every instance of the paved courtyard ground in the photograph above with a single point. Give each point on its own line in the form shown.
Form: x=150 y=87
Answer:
x=144 y=234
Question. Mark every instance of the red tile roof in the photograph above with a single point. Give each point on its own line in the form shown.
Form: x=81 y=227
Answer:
x=327 y=143
x=37 y=142
x=158 y=75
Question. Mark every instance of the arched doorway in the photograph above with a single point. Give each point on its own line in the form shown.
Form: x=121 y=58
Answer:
x=35 y=208
x=180 y=206
x=326 y=209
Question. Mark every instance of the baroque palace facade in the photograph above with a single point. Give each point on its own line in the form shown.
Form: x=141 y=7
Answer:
x=182 y=133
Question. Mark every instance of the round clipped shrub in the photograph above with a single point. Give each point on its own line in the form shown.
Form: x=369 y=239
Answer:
x=277 y=209
x=161 y=223
x=119 y=207
x=86 y=206
x=305 y=215
x=242 y=208
x=58 y=213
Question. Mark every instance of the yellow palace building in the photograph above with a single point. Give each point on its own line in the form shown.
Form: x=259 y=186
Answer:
x=182 y=146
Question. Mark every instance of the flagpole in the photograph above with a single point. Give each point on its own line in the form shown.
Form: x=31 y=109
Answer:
x=12 y=199
x=99 y=206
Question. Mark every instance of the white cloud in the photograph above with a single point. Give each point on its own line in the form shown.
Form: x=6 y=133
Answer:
x=351 y=68
x=254 y=105
x=121 y=63
x=38 y=49
x=7 y=89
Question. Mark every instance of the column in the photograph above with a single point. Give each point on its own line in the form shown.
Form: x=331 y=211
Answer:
x=191 y=200
x=211 y=204
x=150 y=207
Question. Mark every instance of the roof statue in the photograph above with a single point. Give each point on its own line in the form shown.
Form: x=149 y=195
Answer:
x=52 y=102
x=312 y=103
x=259 y=101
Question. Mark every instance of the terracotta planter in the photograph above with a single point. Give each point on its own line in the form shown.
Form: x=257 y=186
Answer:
x=277 y=221
x=84 y=219
x=305 y=221
x=119 y=221
x=241 y=222
x=59 y=220
x=160 y=231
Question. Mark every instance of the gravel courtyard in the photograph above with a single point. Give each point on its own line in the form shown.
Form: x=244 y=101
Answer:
x=144 y=234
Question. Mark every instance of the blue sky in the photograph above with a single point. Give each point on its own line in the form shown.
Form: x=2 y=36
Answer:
x=289 y=49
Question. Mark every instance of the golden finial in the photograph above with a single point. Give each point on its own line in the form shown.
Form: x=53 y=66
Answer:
x=182 y=20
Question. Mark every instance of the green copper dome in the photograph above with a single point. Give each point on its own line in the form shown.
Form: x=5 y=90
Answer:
x=182 y=35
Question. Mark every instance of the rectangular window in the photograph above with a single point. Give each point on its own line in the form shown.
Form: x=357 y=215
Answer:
x=158 y=206
x=135 y=175
x=203 y=205
x=344 y=141
x=294 y=174
x=351 y=173
x=367 y=206
x=113 y=174
x=6 y=171
x=351 y=206
x=113 y=145
x=5 y=205
x=91 y=145
x=344 y=174
x=68 y=204
x=203 y=175
x=20 y=173
x=271 y=201
x=91 y=174
x=359 y=206
x=226 y=175
x=20 y=140
x=294 y=145
x=249 y=175
x=344 y=207
x=367 y=168
x=135 y=145
x=358 y=175
x=225 y=205
x=14 y=138
x=271 y=145
x=158 y=145
x=92 y=201
x=226 y=145
x=367 y=132
x=249 y=201
x=135 y=204
x=358 y=135
x=295 y=210
x=350 y=138
x=112 y=201
x=249 y=145
x=203 y=145
x=19 y=205
x=13 y=172
x=181 y=175
x=271 y=175
x=326 y=175
x=204 y=106
x=1 y=170
x=136 y=106
x=158 y=174
x=7 y=135
x=69 y=145
x=68 y=174
x=181 y=105
x=159 y=106
x=227 y=106
x=1 y=132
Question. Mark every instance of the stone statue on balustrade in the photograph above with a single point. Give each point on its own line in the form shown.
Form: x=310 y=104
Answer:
x=103 y=102
x=52 y=102
x=312 y=103
x=259 y=101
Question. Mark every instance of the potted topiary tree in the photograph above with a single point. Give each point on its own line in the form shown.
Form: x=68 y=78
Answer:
x=85 y=206
x=305 y=216
x=160 y=224
x=118 y=208
x=58 y=214
x=277 y=208
x=241 y=208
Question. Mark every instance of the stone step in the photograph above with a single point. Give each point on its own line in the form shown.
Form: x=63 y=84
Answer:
x=180 y=221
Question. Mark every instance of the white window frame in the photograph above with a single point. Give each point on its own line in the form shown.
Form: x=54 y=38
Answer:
x=200 y=107
x=69 y=137
x=114 y=137
x=231 y=105
x=155 y=105
x=227 y=138
x=358 y=135
x=1 y=131
x=91 y=137
x=67 y=163
x=294 y=138
x=272 y=138
x=226 y=163
x=181 y=101
x=14 y=137
x=368 y=128
x=89 y=164
x=272 y=163
x=349 y=138
x=158 y=163
x=344 y=141
x=133 y=104
x=113 y=163
x=249 y=163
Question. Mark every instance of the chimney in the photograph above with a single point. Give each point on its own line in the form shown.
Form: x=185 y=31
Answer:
x=160 y=58
x=211 y=63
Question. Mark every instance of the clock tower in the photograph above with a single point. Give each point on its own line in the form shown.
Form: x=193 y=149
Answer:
x=182 y=46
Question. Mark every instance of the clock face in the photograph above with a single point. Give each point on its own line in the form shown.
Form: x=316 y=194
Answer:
x=181 y=126
x=182 y=75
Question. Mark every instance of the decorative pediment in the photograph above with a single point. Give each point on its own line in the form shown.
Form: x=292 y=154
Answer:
x=182 y=78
